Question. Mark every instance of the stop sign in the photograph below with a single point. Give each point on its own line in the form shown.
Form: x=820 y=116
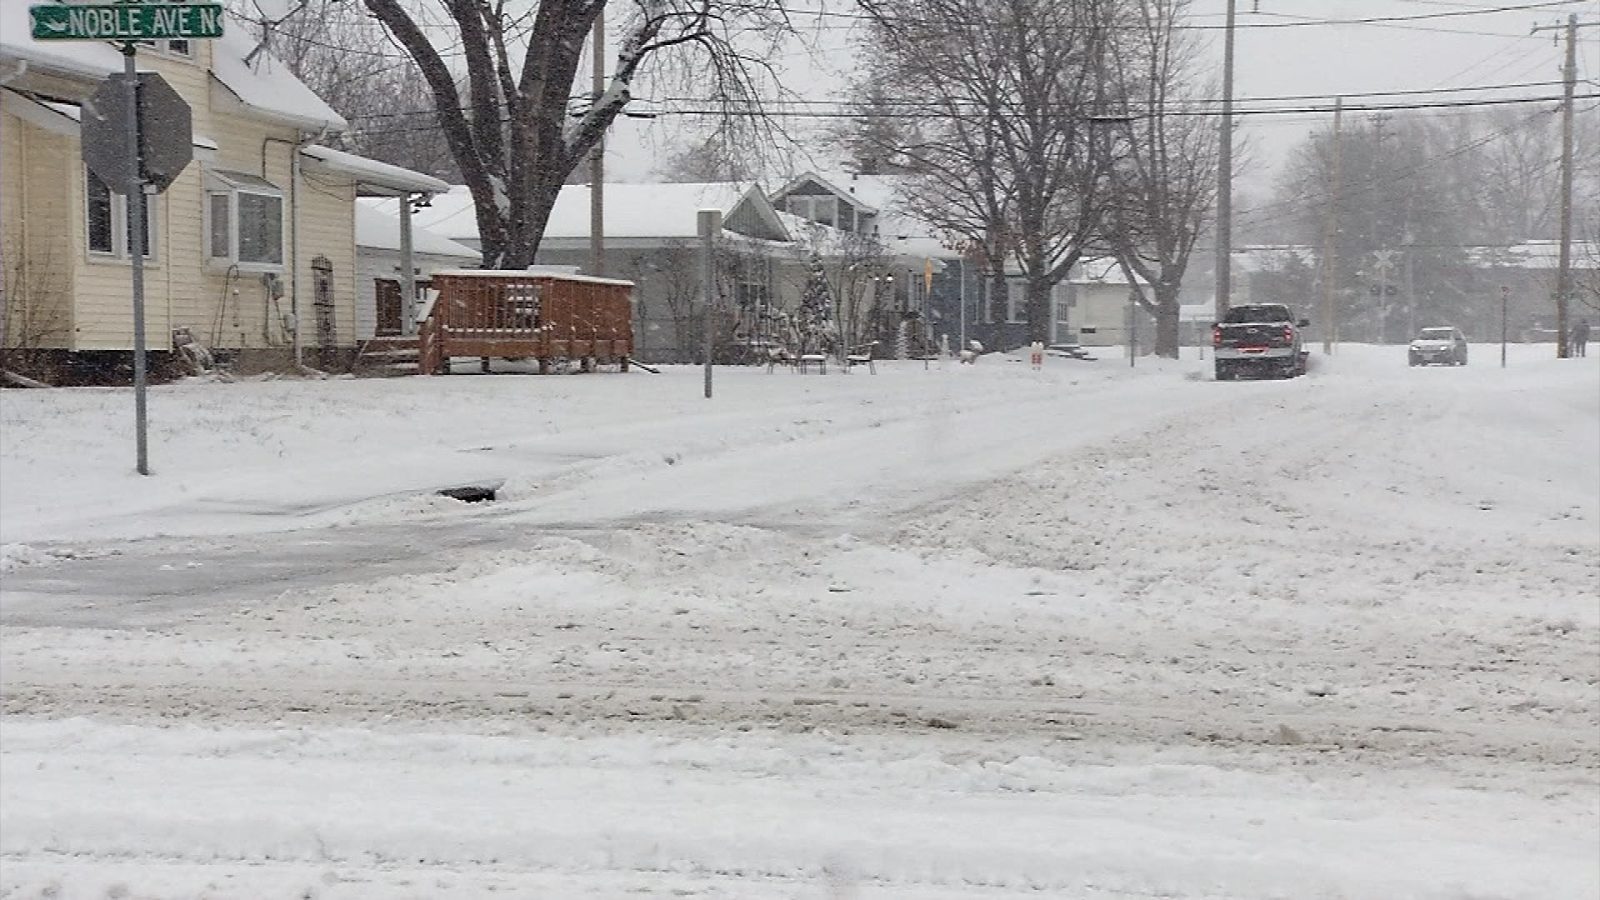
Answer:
x=166 y=141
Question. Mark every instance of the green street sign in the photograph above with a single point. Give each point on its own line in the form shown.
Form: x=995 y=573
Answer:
x=126 y=22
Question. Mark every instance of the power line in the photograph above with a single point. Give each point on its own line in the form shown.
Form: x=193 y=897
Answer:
x=918 y=109
x=1298 y=21
x=1275 y=111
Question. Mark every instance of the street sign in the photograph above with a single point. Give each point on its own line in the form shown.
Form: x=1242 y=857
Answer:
x=126 y=22
x=166 y=141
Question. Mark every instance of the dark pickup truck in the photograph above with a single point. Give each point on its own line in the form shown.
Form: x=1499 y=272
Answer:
x=1263 y=338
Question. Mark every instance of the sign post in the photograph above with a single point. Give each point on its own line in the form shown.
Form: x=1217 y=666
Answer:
x=114 y=146
x=1505 y=301
x=709 y=222
x=136 y=235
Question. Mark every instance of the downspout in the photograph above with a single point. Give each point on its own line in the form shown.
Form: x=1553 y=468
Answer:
x=301 y=139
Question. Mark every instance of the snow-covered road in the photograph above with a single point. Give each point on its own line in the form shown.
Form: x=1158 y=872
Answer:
x=957 y=631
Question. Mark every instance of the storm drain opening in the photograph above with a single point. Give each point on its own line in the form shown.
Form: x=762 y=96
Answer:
x=472 y=493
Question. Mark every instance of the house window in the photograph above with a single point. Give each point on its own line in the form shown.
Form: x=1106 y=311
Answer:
x=108 y=220
x=1016 y=303
x=169 y=48
x=824 y=210
x=244 y=221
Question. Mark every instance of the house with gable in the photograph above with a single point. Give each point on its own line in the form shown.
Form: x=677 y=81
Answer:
x=251 y=252
x=926 y=286
x=651 y=239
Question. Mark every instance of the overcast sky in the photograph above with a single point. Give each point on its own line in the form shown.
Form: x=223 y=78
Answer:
x=1275 y=58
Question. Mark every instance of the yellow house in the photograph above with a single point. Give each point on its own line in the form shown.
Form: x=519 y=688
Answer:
x=251 y=251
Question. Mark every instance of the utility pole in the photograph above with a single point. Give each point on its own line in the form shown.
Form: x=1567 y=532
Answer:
x=1564 y=263
x=1330 y=236
x=597 y=155
x=1383 y=254
x=1225 y=177
x=1411 y=286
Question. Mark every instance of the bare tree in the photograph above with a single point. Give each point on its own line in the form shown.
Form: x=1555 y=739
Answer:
x=878 y=133
x=1007 y=160
x=1165 y=174
x=34 y=311
x=705 y=159
x=515 y=131
x=343 y=55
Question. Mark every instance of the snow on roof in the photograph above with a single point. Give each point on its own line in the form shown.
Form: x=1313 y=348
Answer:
x=374 y=174
x=1269 y=257
x=72 y=114
x=900 y=233
x=1531 y=255
x=844 y=184
x=534 y=272
x=643 y=210
x=631 y=210
x=266 y=86
x=449 y=214
x=380 y=230
x=1098 y=270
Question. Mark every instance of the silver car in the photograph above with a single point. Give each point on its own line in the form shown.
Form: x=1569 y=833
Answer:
x=1445 y=345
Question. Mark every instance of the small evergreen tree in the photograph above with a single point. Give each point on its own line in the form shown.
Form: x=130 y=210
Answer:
x=815 y=321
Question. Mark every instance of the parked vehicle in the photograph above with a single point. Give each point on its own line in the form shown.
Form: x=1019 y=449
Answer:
x=1444 y=345
x=1263 y=338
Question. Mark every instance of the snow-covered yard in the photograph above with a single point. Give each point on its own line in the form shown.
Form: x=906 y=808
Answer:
x=954 y=631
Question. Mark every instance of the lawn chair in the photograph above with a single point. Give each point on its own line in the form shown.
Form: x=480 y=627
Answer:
x=860 y=356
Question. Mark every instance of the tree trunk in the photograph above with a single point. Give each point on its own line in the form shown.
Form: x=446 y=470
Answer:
x=1039 y=308
x=1167 y=320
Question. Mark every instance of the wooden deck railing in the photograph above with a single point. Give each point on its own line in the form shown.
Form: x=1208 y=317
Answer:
x=527 y=315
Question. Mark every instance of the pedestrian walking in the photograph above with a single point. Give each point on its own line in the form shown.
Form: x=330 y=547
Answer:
x=1580 y=339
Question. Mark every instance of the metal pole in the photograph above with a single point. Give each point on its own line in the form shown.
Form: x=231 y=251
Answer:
x=1505 y=296
x=1225 y=176
x=963 y=345
x=408 y=270
x=297 y=339
x=1564 y=263
x=597 y=156
x=710 y=222
x=1133 y=326
x=1330 y=236
x=134 y=192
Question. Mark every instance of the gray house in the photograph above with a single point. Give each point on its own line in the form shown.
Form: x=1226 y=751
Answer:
x=651 y=240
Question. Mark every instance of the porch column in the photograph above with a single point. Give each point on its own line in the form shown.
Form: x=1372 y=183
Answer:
x=408 y=271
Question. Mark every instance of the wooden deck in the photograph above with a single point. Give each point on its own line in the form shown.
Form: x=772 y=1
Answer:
x=527 y=315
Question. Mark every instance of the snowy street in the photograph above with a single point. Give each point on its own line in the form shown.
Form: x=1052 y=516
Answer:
x=954 y=631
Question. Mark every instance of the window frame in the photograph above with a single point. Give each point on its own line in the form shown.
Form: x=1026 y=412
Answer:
x=230 y=186
x=1016 y=302
x=119 y=231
